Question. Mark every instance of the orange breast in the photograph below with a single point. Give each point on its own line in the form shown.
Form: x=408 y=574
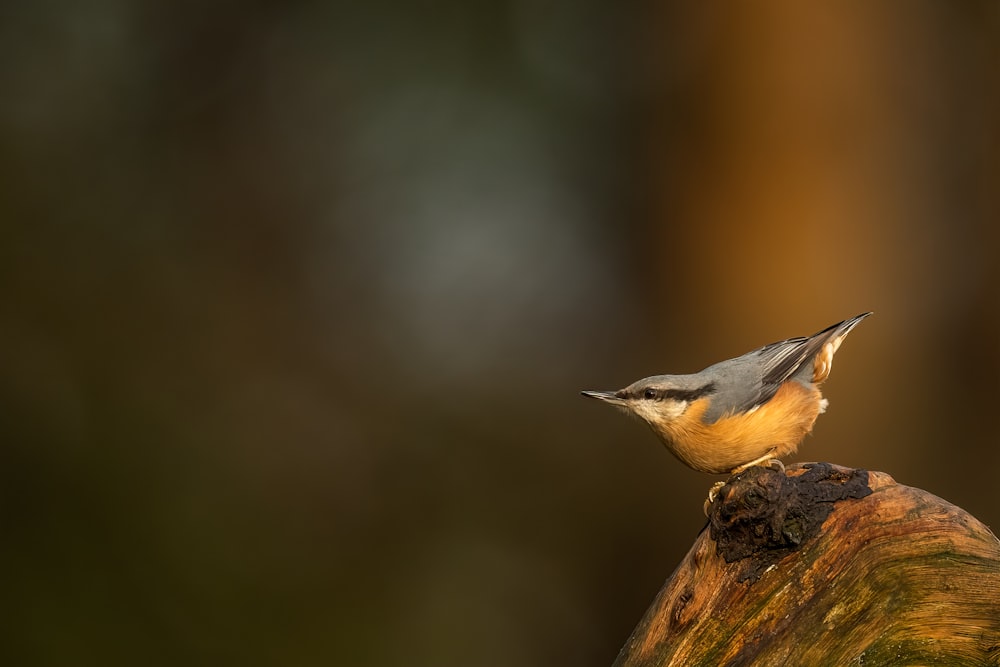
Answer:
x=779 y=424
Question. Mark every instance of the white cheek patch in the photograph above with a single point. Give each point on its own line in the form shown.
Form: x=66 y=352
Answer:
x=654 y=411
x=674 y=409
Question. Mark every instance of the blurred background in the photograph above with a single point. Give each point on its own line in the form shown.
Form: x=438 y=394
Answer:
x=298 y=299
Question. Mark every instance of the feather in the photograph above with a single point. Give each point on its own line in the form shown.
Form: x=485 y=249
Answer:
x=786 y=359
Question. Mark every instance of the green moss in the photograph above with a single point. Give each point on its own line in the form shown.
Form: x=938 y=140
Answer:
x=892 y=651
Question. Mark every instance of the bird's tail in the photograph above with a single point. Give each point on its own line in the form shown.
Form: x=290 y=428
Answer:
x=827 y=342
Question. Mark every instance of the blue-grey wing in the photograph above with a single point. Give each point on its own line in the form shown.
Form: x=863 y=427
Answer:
x=760 y=373
x=770 y=367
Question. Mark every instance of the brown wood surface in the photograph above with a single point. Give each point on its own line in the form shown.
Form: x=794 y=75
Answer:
x=824 y=565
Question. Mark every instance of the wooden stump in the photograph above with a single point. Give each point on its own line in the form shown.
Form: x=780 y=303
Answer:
x=824 y=565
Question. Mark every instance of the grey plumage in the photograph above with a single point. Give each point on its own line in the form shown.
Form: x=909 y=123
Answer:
x=751 y=380
x=745 y=382
x=710 y=419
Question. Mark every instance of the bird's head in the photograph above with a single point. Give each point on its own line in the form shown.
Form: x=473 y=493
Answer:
x=657 y=400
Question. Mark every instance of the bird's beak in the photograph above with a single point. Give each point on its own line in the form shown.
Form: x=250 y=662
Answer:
x=612 y=397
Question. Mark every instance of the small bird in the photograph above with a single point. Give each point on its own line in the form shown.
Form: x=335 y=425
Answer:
x=741 y=412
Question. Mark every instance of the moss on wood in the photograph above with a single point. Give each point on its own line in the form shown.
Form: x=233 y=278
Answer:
x=823 y=565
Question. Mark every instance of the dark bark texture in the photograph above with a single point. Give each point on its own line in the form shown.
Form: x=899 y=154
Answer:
x=824 y=565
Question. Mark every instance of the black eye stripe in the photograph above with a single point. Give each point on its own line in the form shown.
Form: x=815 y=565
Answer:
x=686 y=395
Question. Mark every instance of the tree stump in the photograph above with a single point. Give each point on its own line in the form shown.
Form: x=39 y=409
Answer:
x=823 y=565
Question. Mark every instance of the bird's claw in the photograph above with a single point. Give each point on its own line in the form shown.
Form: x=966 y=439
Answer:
x=767 y=458
x=713 y=493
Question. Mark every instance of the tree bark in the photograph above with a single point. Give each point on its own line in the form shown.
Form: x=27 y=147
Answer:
x=823 y=565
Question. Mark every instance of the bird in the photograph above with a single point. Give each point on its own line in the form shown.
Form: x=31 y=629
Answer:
x=750 y=410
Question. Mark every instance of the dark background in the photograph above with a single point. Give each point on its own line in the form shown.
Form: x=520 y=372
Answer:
x=298 y=298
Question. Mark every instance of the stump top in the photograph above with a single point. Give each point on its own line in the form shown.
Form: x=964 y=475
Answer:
x=827 y=565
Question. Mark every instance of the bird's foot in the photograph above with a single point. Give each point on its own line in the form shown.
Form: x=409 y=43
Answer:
x=768 y=458
x=713 y=493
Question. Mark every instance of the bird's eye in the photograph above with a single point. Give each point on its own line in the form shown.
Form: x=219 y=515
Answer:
x=649 y=394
